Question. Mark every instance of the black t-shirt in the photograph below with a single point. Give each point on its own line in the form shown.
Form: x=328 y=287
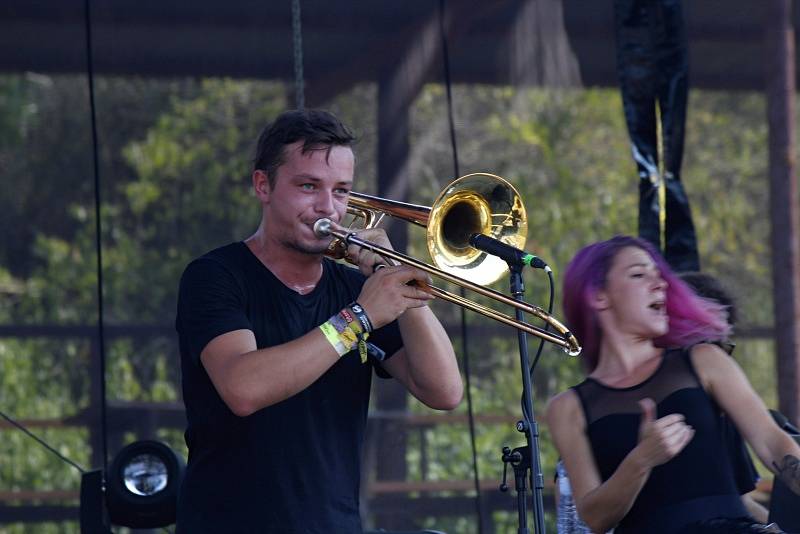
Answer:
x=293 y=467
x=697 y=484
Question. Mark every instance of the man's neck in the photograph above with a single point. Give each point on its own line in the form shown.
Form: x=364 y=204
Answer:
x=297 y=270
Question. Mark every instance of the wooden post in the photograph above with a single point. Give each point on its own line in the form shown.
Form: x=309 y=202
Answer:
x=780 y=91
x=393 y=150
x=402 y=79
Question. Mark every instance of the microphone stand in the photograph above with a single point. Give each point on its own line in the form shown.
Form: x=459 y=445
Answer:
x=523 y=459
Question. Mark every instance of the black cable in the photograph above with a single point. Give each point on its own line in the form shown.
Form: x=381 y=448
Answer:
x=541 y=342
x=464 y=332
x=547 y=325
x=297 y=42
x=42 y=442
x=98 y=234
x=448 y=88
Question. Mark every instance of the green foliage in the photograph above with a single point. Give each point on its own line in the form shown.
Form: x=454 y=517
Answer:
x=568 y=154
x=163 y=173
x=175 y=174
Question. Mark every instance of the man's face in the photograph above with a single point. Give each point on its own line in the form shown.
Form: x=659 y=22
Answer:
x=308 y=187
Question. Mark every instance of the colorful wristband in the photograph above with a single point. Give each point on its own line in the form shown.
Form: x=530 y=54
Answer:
x=349 y=329
x=333 y=338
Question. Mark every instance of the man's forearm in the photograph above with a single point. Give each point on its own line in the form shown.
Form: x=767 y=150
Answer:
x=432 y=365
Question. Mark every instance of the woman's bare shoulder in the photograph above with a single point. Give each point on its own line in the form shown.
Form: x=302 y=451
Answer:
x=563 y=405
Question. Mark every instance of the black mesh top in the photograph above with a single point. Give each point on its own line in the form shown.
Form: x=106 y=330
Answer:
x=696 y=484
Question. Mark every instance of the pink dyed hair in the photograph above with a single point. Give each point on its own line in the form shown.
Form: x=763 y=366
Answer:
x=692 y=319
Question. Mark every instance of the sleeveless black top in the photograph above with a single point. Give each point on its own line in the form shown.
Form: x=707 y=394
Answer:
x=695 y=485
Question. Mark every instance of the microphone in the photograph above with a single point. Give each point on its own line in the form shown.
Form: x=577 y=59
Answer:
x=506 y=252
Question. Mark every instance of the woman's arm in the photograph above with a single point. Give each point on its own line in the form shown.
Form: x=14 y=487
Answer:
x=602 y=505
x=724 y=380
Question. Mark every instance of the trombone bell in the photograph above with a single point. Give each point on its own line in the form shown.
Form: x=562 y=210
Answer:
x=477 y=203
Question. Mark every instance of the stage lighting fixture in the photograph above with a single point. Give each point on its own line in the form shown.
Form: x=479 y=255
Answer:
x=141 y=489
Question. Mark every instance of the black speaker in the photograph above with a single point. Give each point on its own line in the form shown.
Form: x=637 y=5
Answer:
x=93 y=516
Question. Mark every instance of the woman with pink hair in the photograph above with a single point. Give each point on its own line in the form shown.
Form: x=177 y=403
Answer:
x=640 y=437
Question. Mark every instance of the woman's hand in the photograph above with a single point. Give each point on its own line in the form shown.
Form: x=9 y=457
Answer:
x=662 y=439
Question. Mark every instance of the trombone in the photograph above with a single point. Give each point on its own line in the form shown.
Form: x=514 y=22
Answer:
x=475 y=203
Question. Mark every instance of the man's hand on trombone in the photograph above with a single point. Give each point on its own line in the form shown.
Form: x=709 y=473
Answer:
x=390 y=288
x=367 y=260
x=388 y=293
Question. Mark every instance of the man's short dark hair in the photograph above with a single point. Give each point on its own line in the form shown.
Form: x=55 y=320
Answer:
x=711 y=288
x=318 y=129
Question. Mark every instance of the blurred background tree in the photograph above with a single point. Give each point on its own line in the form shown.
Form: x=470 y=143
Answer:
x=175 y=159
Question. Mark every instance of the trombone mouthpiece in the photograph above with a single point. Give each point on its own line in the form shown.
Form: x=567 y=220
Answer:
x=322 y=228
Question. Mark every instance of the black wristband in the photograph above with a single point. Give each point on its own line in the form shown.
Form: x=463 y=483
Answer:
x=361 y=315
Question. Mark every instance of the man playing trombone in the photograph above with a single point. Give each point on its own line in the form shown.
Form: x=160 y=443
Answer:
x=278 y=344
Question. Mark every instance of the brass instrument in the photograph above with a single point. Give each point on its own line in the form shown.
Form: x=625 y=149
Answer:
x=475 y=203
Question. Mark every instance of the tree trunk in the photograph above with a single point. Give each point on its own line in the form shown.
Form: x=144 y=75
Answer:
x=780 y=90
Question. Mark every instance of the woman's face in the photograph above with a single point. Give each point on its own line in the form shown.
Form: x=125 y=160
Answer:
x=634 y=297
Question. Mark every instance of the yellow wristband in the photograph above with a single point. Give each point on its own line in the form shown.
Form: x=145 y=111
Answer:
x=333 y=338
x=348 y=337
